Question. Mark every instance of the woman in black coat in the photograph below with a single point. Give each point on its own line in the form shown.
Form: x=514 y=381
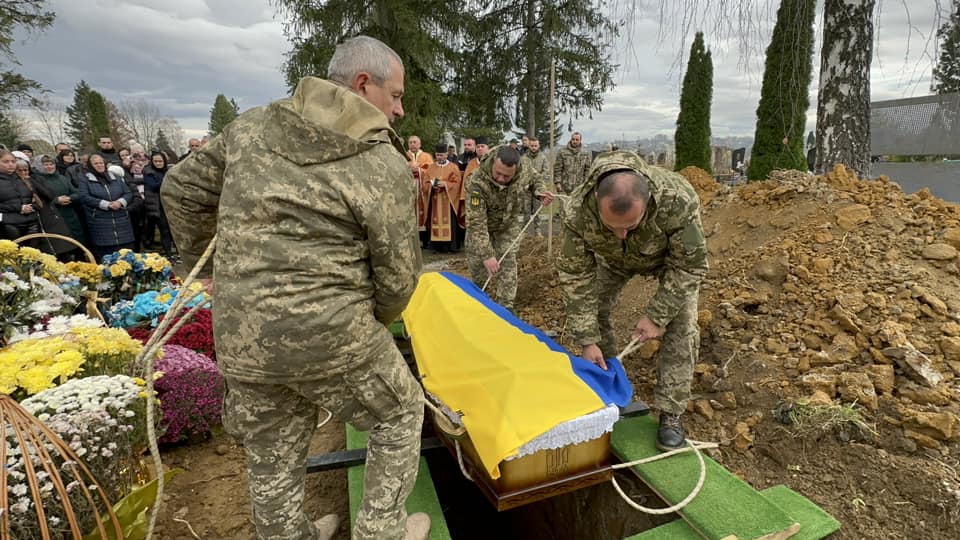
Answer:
x=18 y=204
x=105 y=199
x=50 y=219
x=68 y=166
x=153 y=175
x=58 y=192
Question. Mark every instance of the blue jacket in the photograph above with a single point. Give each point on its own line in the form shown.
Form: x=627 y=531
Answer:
x=106 y=227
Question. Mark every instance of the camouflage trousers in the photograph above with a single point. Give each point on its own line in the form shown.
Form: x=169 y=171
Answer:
x=506 y=278
x=679 y=345
x=276 y=423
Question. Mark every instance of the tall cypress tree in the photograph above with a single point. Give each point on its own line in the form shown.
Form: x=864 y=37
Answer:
x=99 y=119
x=782 y=113
x=222 y=113
x=946 y=74
x=692 y=139
x=78 y=117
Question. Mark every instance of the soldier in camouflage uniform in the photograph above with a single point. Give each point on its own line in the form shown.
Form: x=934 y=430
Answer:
x=496 y=194
x=317 y=252
x=536 y=161
x=631 y=219
x=572 y=166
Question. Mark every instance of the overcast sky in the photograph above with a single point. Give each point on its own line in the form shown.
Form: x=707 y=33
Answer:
x=181 y=53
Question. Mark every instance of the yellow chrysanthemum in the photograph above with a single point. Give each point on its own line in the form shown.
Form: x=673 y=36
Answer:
x=30 y=254
x=106 y=341
x=35 y=379
x=52 y=265
x=87 y=272
x=8 y=248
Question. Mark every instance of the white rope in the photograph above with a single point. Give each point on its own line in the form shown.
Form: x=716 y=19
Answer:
x=329 y=416
x=463 y=469
x=631 y=348
x=695 y=446
x=513 y=244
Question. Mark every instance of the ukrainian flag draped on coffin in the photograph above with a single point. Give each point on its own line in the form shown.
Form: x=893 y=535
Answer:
x=509 y=380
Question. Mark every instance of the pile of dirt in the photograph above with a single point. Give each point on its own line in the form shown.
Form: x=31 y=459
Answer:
x=825 y=293
x=701 y=181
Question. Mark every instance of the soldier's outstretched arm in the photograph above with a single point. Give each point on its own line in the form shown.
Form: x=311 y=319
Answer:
x=685 y=264
x=392 y=238
x=577 y=268
x=191 y=194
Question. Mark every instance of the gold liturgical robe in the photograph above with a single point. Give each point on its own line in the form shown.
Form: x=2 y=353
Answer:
x=440 y=189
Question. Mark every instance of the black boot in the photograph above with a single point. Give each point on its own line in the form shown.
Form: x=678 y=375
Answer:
x=670 y=435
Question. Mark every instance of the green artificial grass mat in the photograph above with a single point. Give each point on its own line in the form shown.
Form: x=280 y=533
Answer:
x=675 y=530
x=422 y=499
x=726 y=506
x=815 y=523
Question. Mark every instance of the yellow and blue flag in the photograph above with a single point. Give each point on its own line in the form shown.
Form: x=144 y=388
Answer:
x=510 y=382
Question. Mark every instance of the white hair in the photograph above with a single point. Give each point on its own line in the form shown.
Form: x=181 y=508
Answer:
x=362 y=53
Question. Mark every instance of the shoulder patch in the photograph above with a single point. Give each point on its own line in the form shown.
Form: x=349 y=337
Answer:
x=475 y=196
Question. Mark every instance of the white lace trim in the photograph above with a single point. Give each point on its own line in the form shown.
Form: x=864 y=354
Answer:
x=585 y=428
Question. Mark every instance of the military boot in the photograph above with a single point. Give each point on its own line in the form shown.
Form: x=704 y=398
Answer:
x=670 y=435
x=418 y=527
x=327 y=526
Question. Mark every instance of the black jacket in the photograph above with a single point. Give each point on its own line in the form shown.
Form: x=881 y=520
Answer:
x=13 y=195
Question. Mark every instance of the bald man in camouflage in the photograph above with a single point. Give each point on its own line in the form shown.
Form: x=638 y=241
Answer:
x=632 y=219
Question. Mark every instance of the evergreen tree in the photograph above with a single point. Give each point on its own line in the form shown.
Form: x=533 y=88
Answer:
x=99 y=119
x=12 y=130
x=223 y=112
x=782 y=112
x=78 y=117
x=163 y=145
x=692 y=137
x=16 y=19
x=946 y=74
x=421 y=32
x=516 y=64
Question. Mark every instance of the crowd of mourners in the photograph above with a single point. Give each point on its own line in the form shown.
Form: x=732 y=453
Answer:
x=105 y=200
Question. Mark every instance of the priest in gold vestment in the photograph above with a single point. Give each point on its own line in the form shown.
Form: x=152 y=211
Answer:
x=440 y=187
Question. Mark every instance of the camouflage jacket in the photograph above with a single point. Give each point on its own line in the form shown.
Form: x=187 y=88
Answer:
x=572 y=167
x=539 y=164
x=493 y=208
x=669 y=243
x=312 y=203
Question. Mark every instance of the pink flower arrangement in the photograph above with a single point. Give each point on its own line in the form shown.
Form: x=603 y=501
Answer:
x=190 y=393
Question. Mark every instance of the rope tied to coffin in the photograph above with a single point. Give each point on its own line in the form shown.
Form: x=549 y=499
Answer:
x=513 y=244
x=692 y=446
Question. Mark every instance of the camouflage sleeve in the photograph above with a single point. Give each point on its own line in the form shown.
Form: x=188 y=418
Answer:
x=577 y=268
x=538 y=186
x=191 y=194
x=558 y=171
x=684 y=267
x=394 y=245
x=479 y=244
